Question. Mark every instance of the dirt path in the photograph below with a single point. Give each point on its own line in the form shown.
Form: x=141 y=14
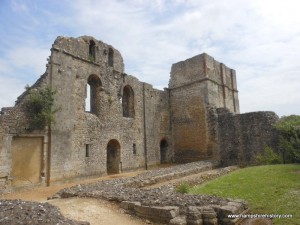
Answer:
x=95 y=211
x=40 y=194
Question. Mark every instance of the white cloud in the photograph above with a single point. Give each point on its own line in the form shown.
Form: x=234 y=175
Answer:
x=10 y=89
x=33 y=57
x=260 y=39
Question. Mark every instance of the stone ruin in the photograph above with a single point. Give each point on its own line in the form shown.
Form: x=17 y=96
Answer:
x=110 y=122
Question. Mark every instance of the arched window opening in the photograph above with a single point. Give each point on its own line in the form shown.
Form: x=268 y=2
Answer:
x=113 y=157
x=93 y=97
x=92 y=51
x=128 y=102
x=110 y=57
x=164 y=151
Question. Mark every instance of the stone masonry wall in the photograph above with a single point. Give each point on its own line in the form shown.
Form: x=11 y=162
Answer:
x=242 y=136
x=196 y=85
x=189 y=127
x=75 y=128
x=79 y=138
x=14 y=123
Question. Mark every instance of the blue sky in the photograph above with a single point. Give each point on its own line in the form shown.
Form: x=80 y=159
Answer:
x=260 y=39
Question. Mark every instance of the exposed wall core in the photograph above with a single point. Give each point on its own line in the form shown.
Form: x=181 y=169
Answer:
x=113 y=157
x=26 y=160
x=128 y=102
x=94 y=84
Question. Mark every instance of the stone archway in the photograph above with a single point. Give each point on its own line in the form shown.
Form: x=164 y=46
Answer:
x=113 y=157
x=164 y=151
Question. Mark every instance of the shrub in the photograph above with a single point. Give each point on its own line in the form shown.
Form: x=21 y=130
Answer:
x=183 y=188
x=39 y=107
x=269 y=157
x=288 y=128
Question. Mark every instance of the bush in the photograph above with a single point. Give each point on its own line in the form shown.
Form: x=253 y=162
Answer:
x=39 y=107
x=183 y=188
x=269 y=157
x=288 y=128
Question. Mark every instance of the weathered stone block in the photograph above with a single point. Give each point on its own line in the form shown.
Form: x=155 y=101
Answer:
x=129 y=205
x=180 y=220
x=201 y=216
x=157 y=214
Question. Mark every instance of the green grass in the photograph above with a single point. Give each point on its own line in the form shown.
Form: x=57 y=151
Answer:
x=272 y=189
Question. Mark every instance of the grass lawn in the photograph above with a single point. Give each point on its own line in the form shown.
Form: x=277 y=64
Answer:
x=271 y=189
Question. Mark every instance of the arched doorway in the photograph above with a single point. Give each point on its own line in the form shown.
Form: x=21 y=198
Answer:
x=164 y=151
x=113 y=157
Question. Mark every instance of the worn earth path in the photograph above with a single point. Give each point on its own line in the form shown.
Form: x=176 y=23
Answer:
x=95 y=211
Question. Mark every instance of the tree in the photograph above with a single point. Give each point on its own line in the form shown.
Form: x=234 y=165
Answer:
x=39 y=106
x=288 y=128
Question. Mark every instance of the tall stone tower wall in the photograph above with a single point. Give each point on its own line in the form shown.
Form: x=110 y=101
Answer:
x=196 y=85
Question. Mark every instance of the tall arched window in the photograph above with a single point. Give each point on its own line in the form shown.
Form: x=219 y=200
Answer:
x=128 y=102
x=93 y=94
x=92 y=51
x=110 y=57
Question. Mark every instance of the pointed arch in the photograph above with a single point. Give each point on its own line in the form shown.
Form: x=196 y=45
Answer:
x=128 y=102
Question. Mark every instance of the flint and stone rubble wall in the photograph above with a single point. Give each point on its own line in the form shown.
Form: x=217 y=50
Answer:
x=242 y=137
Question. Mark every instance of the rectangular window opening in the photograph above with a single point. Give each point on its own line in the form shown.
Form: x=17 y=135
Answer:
x=87 y=150
x=134 y=148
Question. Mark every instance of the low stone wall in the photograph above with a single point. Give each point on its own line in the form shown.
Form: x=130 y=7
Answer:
x=162 y=204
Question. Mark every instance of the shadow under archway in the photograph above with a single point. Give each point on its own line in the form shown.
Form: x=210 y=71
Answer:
x=113 y=157
x=164 y=151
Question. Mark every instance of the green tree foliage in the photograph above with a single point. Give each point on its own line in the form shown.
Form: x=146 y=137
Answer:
x=289 y=138
x=39 y=106
x=269 y=156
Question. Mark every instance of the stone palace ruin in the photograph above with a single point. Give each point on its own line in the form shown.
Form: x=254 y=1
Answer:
x=127 y=124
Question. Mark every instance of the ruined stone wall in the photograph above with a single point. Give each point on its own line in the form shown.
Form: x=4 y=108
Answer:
x=189 y=126
x=80 y=137
x=14 y=123
x=220 y=81
x=157 y=123
x=137 y=134
x=196 y=85
x=242 y=136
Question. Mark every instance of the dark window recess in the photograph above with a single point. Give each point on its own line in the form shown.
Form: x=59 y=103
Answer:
x=134 y=148
x=92 y=51
x=92 y=103
x=110 y=57
x=128 y=102
x=87 y=150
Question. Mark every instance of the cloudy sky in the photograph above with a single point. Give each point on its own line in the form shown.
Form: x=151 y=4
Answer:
x=260 y=39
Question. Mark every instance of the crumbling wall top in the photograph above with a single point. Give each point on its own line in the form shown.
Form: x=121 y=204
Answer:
x=90 y=49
